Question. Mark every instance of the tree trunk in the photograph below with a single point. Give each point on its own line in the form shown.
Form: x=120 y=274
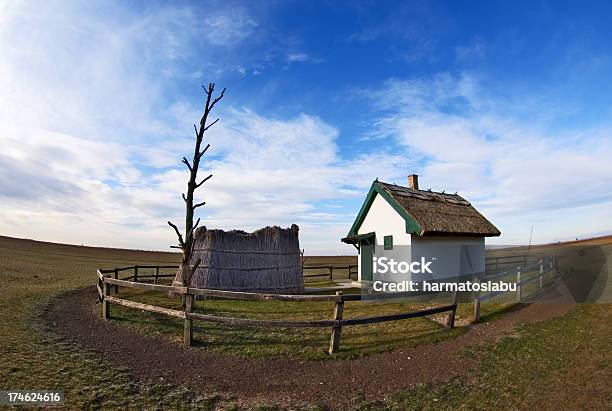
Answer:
x=185 y=242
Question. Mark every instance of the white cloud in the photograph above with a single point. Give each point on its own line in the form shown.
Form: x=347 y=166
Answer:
x=475 y=49
x=266 y=172
x=299 y=57
x=517 y=171
x=91 y=141
x=228 y=28
x=91 y=155
x=293 y=58
x=86 y=141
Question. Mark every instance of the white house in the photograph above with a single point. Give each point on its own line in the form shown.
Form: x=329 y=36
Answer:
x=413 y=225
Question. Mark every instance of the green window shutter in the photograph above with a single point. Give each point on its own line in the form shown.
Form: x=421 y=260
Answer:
x=388 y=242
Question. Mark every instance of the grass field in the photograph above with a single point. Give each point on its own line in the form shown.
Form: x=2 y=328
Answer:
x=32 y=357
x=571 y=351
x=308 y=343
x=561 y=363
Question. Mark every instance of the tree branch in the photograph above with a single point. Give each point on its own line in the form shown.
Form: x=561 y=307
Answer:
x=184 y=198
x=195 y=225
x=203 y=181
x=187 y=163
x=191 y=271
x=190 y=235
x=178 y=233
x=217 y=99
x=199 y=205
x=209 y=91
x=211 y=124
x=200 y=154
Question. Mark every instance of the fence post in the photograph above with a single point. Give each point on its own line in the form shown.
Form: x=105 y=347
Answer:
x=188 y=324
x=331 y=272
x=477 y=300
x=116 y=276
x=450 y=322
x=135 y=273
x=334 y=343
x=541 y=273
x=105 y=304
x=518 y=284
x=156 y=274
x=552 y=264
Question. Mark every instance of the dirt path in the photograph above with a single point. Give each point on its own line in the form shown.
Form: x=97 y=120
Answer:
x=277 y=381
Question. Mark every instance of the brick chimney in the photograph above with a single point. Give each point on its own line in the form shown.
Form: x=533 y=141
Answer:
x=413 y=181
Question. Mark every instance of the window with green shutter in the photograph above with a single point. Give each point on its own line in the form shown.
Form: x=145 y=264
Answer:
x=388 y=242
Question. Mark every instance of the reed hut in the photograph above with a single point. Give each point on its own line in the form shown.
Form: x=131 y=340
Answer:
x=267 y=260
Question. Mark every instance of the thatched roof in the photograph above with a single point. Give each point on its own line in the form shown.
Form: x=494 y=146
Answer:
x=430 y=213
x=266 y=260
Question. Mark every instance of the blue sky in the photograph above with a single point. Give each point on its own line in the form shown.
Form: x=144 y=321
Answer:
x=508 y=103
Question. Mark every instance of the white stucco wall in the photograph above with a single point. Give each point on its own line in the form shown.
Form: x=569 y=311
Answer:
x=453 y=255
x=383 y=220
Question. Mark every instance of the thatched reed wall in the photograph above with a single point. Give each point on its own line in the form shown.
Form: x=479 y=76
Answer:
x=267 y=260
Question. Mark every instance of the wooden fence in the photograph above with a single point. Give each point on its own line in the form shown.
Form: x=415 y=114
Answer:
x=495 y=263
x=352 y=269
x=108 y=285
x=329 y=271
x=519 y=275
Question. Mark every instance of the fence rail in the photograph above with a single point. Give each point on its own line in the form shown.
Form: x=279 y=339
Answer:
x=330 y=270
x=107 y=286
x=509 y=260
x=542 y=266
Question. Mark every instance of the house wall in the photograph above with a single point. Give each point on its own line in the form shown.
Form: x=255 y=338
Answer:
x=383 y=220
x=454 y=256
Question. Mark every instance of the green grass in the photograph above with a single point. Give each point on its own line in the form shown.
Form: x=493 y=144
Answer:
x=319 y=282
x=562 y=362
x=305 y=343
x=565 y=357
x=33 y=273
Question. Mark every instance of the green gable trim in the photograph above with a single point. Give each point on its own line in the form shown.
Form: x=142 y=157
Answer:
x=365 y=207
x=411 y=226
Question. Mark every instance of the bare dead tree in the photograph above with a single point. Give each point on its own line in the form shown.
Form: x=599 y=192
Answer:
x=185 y=241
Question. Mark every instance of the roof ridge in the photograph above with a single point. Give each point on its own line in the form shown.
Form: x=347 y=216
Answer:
x=423 y=191
x=428 y=212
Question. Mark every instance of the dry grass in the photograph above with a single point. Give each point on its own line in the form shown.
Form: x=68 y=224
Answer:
x=33 y=358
